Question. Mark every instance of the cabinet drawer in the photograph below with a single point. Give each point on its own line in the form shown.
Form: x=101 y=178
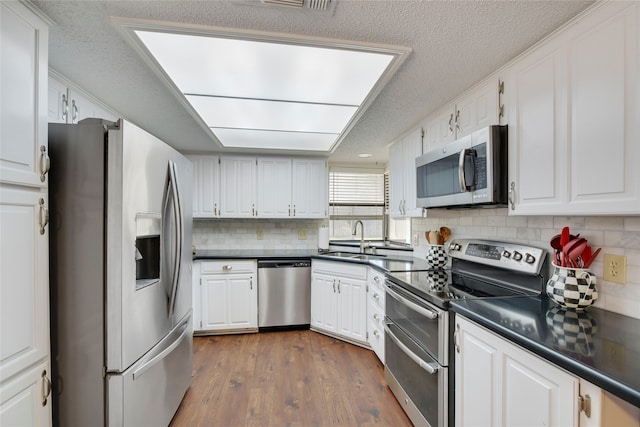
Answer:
x=376 y=316
x=375 y=328
x=376 y=297
x=376 y=294
x=340 y=269
x=228 y=266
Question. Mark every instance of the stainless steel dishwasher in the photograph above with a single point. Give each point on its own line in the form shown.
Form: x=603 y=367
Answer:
x=284 y=293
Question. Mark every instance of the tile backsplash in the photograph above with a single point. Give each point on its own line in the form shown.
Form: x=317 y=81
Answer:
x=615 y=235
x=256 y=234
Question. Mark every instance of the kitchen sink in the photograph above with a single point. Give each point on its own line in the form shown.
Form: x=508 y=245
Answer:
x=353 y=255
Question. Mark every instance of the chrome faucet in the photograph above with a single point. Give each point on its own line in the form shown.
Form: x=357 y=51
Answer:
x=354 y=231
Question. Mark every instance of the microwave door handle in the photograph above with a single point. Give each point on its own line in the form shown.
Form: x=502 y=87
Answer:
x=462 y=161
x=431 y=368
x=461 y=177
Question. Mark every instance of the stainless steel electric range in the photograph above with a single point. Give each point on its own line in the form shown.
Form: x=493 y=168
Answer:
x=418 y=327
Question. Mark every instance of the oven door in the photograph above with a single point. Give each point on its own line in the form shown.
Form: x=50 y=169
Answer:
x=423 y=322
x=419 y=383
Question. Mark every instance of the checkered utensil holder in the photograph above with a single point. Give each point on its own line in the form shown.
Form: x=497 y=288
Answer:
x=573 y=288
x=437 y=256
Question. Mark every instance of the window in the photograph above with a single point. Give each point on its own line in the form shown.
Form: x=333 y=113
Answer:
x=356 y=194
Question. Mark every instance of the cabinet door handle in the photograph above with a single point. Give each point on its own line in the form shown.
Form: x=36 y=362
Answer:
x=253 y=210
x=451 y=124
x=338 y=285
x=45 y=163
x=74 y=112
x=376 y=316
x=46 y=388
x=512 y=195
x=44 y=216
x=457 y=120
x=456 y=336
x=334 y=286
x=294 y=210
x=376 y=279
x=65 y=107
x=251 y=283
x=227 y=267
x=289 y=210
x=376 y=296
x=215 y=209
x=376 y=333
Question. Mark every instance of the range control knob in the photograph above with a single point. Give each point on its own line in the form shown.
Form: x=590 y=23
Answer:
x=506 y=254
x=529 y=259
x=517 y=256
x=455 y=247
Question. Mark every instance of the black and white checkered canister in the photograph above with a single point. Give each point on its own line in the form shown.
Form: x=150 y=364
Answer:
x=573 y=288
x=437 y=256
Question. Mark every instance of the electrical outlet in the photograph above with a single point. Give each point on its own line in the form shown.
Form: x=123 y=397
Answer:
x=302 y=234
x=259 y=235
x=416 y=242
x=615 y=268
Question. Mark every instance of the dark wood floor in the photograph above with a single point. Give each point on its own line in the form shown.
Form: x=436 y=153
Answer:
x=286 y=378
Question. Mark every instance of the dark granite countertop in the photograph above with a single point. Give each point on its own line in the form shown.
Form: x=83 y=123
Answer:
x=384 y=263
x=201 y=254
x=600 y=346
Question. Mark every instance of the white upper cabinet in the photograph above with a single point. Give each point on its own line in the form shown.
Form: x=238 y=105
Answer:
x=263 y=187
x=69 y=104
x=479 y=107
x=206 y=186
x=274 y=187
x=310 y=188
x=292 y=188
x=238 y=187
x=574 y=130
x=402 y=175
x=23 y=125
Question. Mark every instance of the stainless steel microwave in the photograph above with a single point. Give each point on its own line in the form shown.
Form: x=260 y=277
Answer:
x=467 y=172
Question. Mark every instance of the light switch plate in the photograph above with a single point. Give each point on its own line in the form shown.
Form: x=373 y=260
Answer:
x=259 y=235
x=302 y=234
x=615 y=268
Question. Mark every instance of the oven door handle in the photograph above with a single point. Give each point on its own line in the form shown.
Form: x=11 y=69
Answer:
x=425 y=312
x=431 y=368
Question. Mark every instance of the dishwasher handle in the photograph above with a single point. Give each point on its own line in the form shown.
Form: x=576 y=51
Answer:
x=285 y=263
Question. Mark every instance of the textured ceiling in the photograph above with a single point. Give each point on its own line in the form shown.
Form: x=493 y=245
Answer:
x=455 y=44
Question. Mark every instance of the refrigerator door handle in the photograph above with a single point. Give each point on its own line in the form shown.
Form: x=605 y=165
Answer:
x=177 y=213
x=163 y=352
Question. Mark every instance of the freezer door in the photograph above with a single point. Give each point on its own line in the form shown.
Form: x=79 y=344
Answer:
x=150 y=391
x=148 y=271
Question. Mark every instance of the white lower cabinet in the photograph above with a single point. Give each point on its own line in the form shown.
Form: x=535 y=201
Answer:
x=375 y=312
x=500 y=384
x=25 y=399
x=339 y=300
x=228 y=297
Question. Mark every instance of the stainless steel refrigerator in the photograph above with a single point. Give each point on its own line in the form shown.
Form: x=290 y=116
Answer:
x=120 y=262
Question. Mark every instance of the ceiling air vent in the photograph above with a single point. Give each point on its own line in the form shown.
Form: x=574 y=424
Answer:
x=289 y=3
x=318 y=5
